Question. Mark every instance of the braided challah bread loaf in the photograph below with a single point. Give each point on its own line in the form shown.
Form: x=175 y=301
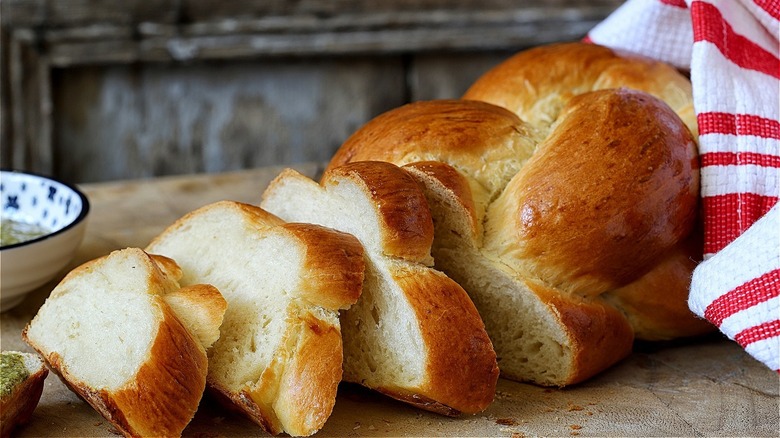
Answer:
x=569 y=214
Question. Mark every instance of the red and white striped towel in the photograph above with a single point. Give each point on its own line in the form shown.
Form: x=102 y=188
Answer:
x=732 y=48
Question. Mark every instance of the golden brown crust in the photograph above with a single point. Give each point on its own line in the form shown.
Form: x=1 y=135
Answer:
x=451 y=181
x=206 y=297
x=165 y=393
x=468 y=129
x=610 y=191
x=243 y=404
x=599 y=335
x=312 y=378
x=579 y=232
x=17 y=408
x=536 y=83
x=461 y=364
x=407 y=227
x=167 y=265
x=334 y=265
x=419 y=401
x=656 y=305
x=167 y=389
x=296 y=393
x=484 y=141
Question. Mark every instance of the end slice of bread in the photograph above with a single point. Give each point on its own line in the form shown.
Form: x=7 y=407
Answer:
x=414 y=334
x=279 y=359
x=108 y=331
x=21 y=385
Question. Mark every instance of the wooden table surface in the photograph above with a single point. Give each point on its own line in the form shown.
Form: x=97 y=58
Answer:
x=706 y=387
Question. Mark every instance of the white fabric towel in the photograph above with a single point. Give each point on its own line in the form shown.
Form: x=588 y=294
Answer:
x=732 y=49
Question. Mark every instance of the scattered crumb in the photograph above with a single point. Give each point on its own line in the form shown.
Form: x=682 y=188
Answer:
x=506 y=421
x=357 y=426
x=575 y=408
x=99 y=423
x=575 y=433
x=371 y=427
x=575 y=427
x=518 y=435
x=589 y=413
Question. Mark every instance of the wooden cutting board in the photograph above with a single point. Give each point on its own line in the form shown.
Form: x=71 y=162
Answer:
x=707 y=386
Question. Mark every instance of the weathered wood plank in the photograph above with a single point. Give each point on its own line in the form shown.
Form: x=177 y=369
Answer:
x=201 y=35
x=129 y=122
x=207 y=10
x=6 y=125
x=60 y=13
x=447 y=76
x=401 y=19
x=243 y=46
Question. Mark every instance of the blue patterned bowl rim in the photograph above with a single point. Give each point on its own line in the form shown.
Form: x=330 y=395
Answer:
x=79 y=218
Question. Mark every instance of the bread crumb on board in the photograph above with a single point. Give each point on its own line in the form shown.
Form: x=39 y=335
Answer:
x=506 y=421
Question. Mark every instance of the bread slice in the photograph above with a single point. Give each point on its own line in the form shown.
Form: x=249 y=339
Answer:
x=109 y=332
x=21 y=385
x=279 y=359
x=414 y=334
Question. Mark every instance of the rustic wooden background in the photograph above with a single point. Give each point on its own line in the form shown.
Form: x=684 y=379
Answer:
x=96 y=90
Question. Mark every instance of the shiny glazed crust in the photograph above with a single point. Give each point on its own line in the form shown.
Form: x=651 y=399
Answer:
x=297 y=391
x=585 y=190
x=177 y=372
x=461 y=368
x=406 y=225
x=536 y=83
x=334 y=265
x=617 y=173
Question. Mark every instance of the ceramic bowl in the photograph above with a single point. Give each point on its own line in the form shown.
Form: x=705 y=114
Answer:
x=58 y=207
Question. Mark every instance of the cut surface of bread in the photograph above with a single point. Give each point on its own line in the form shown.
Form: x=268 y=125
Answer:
x=568 y=224
x=21 y=385
x=279 y=357
x=108 y=331
x=414 y=334
x=536 y=331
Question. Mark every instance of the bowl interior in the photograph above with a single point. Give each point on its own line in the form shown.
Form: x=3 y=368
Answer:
x=34 y=199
